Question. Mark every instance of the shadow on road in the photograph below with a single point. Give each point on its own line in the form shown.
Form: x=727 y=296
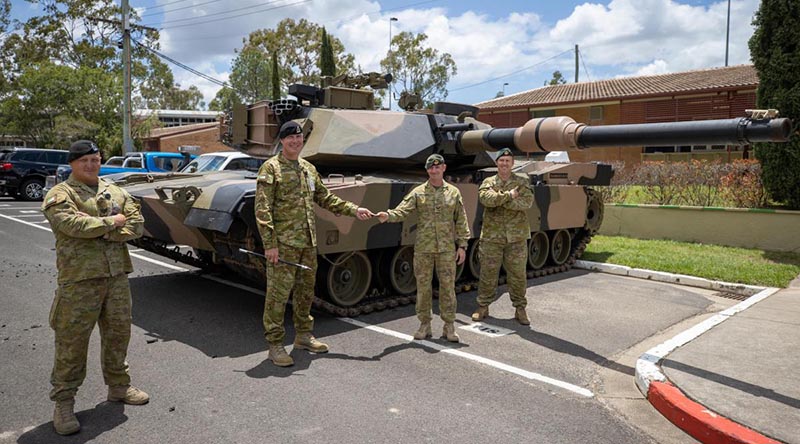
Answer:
x=94 y=422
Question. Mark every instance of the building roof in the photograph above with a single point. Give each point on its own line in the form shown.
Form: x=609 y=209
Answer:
x=176 y=113
x=174 y=130
x=715 y=79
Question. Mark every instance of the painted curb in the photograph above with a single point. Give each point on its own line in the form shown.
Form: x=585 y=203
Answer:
x=693 y=418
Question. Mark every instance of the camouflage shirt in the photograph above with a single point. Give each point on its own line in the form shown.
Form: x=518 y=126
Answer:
x=88 y=245
x=442 y=221
x=285 y=196
x=505 y=219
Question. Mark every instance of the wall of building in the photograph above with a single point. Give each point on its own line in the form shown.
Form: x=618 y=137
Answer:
x=206 y=139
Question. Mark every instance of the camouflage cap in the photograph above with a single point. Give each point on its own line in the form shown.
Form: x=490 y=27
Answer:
x=504 y=152
x=434 y=159
x=289 y=128
x=80 y=149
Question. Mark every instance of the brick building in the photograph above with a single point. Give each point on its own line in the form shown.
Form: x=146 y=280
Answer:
x=204 y=135
x=718 y=93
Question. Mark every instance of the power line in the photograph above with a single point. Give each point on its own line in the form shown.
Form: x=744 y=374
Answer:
x=162 y=5
x=182 y=65
x=511 y=73
x=179 y=9
x=583 y=62
x=228 y=12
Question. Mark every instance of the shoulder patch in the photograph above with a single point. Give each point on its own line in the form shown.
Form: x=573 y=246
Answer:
x=53 y=199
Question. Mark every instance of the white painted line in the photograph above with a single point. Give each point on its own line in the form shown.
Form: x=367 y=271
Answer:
x=5 y=205
x=647 y=368
x=42 y=222
x=31 y=211
x=480 y=359
x=39 y=214
x=138 y=256
x=234 y=284
x=484 y=329
x=16 y=208
x=660 y=276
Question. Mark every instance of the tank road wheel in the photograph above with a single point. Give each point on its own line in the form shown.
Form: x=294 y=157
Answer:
x=474 y=260
x=538 y=249
x=400 y=270
x=594 y=211
x=559 y=247
x=347 y=282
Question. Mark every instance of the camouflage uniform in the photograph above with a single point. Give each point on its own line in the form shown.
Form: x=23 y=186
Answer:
x=285 y=197
x=442 y=225
x=504 y=236
x=92 y=260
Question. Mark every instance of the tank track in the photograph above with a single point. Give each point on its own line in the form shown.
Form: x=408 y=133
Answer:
x=377 y=302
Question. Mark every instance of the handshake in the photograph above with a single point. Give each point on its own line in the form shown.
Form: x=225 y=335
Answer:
x=366 y=214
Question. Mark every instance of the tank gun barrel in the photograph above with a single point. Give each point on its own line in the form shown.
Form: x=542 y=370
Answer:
x=564 y=134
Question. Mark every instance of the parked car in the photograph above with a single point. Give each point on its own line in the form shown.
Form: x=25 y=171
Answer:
x=142 y=162
x=224 y=160
x=23 y=170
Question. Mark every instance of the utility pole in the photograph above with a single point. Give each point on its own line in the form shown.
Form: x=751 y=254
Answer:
x=391 y=19
x=127 y=141
x=727 y=32
x=576 y=63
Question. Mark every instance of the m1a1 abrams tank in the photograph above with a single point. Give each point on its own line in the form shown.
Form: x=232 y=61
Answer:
x=374 y=158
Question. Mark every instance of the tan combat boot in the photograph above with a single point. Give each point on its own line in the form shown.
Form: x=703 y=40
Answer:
x=64 y=420
x=305 y=341
x=424 y=331
x=481 y=313
x=127 y=394
x=278 y=356
x=449 y=332
x=521 y=316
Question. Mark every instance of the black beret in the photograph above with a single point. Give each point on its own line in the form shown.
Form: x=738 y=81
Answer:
x=81 y=148
x=433 y=159
x=504 y=152
x=289 y=128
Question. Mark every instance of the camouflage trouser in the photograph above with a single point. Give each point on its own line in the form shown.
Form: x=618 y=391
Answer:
x=77 y=307
x=284 y=279
x=445 y=264
x=514 y=258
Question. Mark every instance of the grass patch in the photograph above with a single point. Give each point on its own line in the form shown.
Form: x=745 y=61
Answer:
x=729 y=264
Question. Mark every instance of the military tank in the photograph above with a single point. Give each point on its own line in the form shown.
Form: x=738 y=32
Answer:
x=374 y=158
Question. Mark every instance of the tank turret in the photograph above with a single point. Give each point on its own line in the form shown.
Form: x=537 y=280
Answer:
x=373 y=158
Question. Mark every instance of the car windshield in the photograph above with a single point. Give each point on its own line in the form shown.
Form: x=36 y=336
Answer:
x=115 y=161
x=204 y=163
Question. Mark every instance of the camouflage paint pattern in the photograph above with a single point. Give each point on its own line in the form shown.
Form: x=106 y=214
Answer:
x=505 y=218
x=92 y=260
x=445 y=266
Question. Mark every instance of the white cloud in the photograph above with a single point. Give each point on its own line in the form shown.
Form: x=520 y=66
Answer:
x=620 y=37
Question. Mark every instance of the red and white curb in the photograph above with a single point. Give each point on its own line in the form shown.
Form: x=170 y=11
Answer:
x=693 y=418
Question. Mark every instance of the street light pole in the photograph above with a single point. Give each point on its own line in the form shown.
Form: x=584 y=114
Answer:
x=504 y=88
x=391 y=19
x=727 y=32
x=127 y=142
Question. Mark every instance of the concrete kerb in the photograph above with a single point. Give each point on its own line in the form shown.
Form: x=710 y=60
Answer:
x=694 y=418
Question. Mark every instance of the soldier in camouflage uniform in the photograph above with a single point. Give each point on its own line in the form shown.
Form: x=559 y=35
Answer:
x=286 y=192
x=442 y=227
x=504 y=236
x=91 y=220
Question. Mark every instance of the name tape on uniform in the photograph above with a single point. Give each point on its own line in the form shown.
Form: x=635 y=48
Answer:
x=487 y=330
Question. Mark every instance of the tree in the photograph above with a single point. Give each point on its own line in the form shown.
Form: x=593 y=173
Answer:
x=298 y=48
x=419 y=69
x=251 y=72
x=327 y=65
x=276 y=78
x=776 y=56
x=224 y=100
x=558 y=79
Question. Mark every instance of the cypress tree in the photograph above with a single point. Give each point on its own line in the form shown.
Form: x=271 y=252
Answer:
x=327 y=64
x=276 y=78
x=775 y=52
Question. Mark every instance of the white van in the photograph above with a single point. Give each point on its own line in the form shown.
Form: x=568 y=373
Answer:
x=225 y=160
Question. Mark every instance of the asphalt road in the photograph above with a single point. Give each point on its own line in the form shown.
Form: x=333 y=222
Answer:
x=197 y=347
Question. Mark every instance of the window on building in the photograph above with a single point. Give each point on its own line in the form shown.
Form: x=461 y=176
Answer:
x=596 y=112
x=543 y=113
x=659 y=149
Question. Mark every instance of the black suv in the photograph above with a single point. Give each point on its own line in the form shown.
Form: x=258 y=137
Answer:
x=23 y=170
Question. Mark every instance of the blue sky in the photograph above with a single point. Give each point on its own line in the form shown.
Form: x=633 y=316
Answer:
x=492 y=42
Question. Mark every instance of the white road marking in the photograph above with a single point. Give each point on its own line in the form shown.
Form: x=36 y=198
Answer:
x=30 y=211
x=491 y=363
x=39 y=214
x=469 y=356
x=17 y=208
x=484 y=329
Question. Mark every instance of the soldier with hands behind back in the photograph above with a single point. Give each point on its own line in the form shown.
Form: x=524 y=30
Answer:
x=504 y=236
x=442 y=235
x=286 y=192
x=92 y=220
